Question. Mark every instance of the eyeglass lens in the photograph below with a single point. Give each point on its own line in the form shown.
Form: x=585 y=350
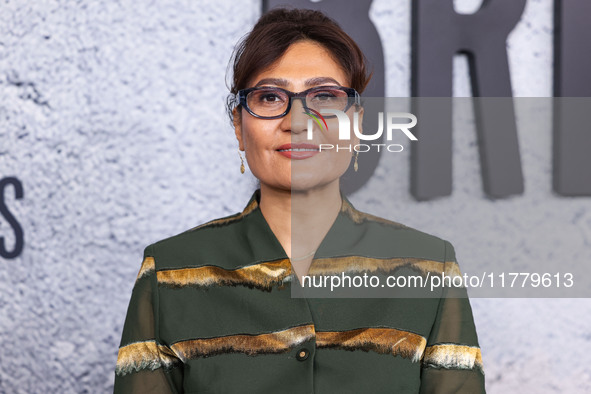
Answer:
x=274 y=102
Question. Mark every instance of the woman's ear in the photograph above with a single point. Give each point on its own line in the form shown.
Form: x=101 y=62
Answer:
x=237 y=120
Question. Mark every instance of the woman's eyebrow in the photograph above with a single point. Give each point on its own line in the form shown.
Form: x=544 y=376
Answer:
x=272 y=81
x=284 y=82
x=320 y=81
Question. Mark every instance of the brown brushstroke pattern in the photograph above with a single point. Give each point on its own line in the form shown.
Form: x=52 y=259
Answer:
x=262 y=276
x=453 y=356
x=380 y=340
x=268 y=343
x=268 y=274
x=144 y=355
x=350 y=264
x=148 y=266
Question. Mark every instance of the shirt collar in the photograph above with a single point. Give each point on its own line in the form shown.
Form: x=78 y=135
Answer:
x=255 y=199
x=265 y=246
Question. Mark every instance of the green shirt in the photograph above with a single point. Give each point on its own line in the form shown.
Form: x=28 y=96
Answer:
x=211 y=311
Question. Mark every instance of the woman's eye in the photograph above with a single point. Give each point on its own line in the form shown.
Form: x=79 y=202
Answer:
x=269 y=97
x=328 y=94
x=324 y=97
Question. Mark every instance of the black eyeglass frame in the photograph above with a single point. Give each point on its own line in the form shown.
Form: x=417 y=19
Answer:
x=243 y=93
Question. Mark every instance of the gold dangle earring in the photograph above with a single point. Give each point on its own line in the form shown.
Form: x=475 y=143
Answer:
x=355 y=165
x=241 y=163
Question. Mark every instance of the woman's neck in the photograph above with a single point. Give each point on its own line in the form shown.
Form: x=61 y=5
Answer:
x=301 y=219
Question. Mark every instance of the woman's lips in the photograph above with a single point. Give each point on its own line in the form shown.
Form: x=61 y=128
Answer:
x=298 y=151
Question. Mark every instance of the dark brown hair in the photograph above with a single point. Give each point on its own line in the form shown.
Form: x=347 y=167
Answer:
x=276 y=30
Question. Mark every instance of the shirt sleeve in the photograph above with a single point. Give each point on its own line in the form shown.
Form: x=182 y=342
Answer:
x=144 y=364
x=452 y=361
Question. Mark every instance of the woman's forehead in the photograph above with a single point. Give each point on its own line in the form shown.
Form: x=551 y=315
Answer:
x=304 y=64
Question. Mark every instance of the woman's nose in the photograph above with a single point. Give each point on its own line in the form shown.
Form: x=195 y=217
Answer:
x=296 y=118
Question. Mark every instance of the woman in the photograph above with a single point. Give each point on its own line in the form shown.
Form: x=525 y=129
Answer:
x=212 y=311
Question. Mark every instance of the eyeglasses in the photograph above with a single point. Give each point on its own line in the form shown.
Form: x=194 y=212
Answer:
x=268 y=102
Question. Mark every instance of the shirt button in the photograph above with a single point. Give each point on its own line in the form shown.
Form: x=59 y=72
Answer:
x=302 y=354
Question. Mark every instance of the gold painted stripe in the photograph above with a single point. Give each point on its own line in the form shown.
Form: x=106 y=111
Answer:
x=266 y=275
x=144 y=355
x=351 y=264
x=148 y=266
x=269 y=343
x=452 y=269
x=453 y=356
x=380 y=340
x=262 y=276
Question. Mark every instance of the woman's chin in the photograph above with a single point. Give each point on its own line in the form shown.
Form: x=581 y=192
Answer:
x=306 y=181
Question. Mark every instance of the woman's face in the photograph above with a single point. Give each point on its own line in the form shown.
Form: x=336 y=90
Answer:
x=305 y=64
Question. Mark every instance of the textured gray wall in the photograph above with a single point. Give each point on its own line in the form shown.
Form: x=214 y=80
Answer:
x=111 y=114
